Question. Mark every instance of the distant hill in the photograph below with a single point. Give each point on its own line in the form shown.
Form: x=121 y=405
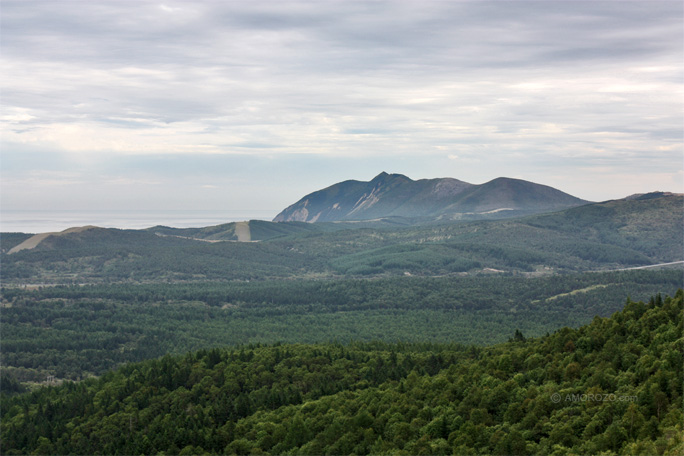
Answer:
x=248 y=231
x=395 y=195
x=78 y=237
x=614 y=234
x=91 y=236
x=651 y=195
x=609 y=235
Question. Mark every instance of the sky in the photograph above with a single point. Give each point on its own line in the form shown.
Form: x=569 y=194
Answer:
x=248 y=106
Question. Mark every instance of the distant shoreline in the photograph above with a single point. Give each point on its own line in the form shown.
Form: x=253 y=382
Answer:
x=38 y=221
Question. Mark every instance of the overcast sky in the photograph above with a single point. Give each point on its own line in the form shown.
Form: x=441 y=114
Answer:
x=246 y=105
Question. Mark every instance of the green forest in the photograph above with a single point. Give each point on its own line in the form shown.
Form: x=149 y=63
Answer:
x=72 y=332
x=613 y=386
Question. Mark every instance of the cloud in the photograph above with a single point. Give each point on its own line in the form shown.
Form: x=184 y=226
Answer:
x=550 y=83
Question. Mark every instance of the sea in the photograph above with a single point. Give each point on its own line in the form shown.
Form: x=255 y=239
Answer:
x=47 y=221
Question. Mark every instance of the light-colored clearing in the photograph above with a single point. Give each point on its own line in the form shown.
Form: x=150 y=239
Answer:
x=494 y=211
x=650 y=266
x=242 y=232
x=188 y=237
x=574 y=292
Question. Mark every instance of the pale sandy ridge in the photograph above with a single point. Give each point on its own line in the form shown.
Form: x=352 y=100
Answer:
x=35 y=240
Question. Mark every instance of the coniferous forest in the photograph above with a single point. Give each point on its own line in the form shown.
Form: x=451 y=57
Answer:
x=613 y=386
x=73 y=332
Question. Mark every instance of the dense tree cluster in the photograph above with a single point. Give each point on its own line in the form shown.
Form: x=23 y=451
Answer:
x=78 y=331
x=613 y=387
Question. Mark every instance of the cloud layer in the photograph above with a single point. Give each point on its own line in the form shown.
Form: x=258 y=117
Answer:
x=260 y=102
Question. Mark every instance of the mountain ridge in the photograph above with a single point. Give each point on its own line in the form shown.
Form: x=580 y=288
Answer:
x=615 y=234
x=388 y=195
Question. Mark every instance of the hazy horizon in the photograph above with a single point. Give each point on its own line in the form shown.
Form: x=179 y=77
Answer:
x=47 y=221
x=227 y=105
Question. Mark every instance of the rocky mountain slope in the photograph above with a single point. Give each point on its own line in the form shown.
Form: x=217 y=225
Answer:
x=395 y=195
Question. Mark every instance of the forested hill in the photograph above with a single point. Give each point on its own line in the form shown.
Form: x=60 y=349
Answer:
x=610 y=235
x=612 y=387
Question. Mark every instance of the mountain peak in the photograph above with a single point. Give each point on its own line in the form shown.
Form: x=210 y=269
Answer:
x=396 y=195
x=383 y=177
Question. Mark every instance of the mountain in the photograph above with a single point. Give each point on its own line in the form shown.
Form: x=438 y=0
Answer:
x=384 y=196
x=395 y=195
x=505 y=194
